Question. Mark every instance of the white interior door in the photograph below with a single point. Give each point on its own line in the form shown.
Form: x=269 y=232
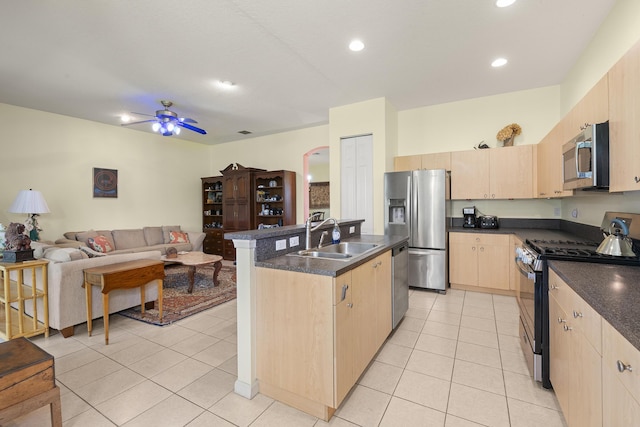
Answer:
x=357 y=180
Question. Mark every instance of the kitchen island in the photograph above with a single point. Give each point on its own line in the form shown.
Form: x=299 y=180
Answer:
x=300 y=301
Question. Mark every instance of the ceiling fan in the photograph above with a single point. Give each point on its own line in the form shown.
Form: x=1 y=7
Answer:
x=167 y=122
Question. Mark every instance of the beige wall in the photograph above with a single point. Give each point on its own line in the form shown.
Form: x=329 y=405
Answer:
x=158 y=176
x=615 y=36
x=363 y=118
x=462 y=125
x=273 y=152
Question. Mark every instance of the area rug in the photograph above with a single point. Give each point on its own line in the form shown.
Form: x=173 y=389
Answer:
x=178 y=304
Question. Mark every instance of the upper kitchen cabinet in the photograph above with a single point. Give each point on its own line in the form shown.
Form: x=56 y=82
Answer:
x=592 y=108
x=497 y=173
x=549 y=164
x=624 y=122
x=423 y=161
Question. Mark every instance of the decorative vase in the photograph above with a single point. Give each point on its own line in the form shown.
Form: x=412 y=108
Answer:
x=509 y=141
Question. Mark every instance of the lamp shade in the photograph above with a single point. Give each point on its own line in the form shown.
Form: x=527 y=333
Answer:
x=29 y=202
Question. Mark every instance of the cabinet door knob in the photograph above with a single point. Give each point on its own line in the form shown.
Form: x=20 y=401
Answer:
x=553 y=287
x=576 y=314
x=561 y=320
x=622 y=367
x=567 y=328
x=350 y=305
x=482 y=249
x=636 y=179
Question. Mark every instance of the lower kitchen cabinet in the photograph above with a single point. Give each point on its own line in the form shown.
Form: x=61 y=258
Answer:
x=620 y=379
x=480 y=259
x=317 y=334
x=575 y=361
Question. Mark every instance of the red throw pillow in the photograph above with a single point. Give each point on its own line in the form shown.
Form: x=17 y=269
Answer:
x=178 y=237
x=99 y=244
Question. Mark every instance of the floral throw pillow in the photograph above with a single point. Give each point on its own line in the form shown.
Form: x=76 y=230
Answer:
x=99 y=244
x=178 y=237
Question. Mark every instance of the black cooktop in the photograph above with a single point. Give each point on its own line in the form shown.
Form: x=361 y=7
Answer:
x=569 y=250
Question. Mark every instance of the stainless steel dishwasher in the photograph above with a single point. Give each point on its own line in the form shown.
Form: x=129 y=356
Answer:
x=400 y=284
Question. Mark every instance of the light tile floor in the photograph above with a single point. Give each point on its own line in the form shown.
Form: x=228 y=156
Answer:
x=454 y=361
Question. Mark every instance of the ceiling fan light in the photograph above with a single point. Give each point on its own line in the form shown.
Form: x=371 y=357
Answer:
x=170 y=127
x=155 y=127
x=176 y=130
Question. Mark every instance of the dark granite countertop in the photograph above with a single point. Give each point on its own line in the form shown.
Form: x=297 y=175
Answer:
x=523 y=233
x=334 y=268
x=612 y=290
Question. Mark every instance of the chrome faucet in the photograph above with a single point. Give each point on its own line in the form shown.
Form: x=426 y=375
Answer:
x=307 y=225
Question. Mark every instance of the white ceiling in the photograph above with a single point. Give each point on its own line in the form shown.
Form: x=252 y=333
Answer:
x=98 y=59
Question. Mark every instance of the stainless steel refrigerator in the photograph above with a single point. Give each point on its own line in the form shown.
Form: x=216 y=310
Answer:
x=417 y=204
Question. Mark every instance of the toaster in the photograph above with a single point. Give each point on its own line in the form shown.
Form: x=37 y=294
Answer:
x=488 y=221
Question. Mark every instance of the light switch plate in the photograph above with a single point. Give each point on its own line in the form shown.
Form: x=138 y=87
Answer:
x=352 y=229
x=294 y=241
x=281 y=244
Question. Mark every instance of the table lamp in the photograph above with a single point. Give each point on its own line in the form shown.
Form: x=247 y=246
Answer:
x=32 y=203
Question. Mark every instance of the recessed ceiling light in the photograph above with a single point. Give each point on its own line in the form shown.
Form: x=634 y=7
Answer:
x=504 y=3
x=499 y=62
x=125 y=118
x=225 y=84
x=356 y=45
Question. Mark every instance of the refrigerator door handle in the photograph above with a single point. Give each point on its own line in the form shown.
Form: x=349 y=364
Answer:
x=409 y=212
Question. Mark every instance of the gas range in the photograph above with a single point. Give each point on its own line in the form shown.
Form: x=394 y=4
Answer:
x=536 y=251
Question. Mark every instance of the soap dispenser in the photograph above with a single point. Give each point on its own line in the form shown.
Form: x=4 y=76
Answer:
x=335 y=234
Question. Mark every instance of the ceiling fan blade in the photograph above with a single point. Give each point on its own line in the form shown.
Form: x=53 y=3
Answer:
x=135 y=123
x=193 y=128
x=187 y=120
x=142 y=114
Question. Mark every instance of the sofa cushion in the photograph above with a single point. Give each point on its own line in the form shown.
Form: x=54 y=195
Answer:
x=153 y=235
x=90 y=252
x=39 y=248
x=166 y=229
x=127 y=239
x=83 y=236
x=100 y=244
x=54 y=254
x=178 y=237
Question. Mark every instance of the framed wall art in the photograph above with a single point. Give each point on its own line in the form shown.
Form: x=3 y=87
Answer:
x=105 y=182
x=319 y=195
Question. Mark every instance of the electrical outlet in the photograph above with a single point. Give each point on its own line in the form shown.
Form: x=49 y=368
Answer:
x=574 y=213
x=352 y=229
x=294 y=241
x=281 y=244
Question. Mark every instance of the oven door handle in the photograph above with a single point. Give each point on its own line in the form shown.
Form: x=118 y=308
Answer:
x=525 y=270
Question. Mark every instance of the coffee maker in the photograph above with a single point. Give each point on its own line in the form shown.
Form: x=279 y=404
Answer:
x=470 y=220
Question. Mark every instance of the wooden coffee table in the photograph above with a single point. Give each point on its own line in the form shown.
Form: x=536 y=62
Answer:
x=194 y=259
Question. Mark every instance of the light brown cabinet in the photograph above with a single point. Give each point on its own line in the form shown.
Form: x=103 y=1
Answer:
x=549 y=165
x=480 y=260
x=423 y=161
x=575 y=361
x=592 y=108
x=497 y=173
x=620 y=379
x=317 y=334
x=624 y=126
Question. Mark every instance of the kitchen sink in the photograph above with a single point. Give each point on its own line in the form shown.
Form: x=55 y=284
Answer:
x=345 y=251
x=349 y=248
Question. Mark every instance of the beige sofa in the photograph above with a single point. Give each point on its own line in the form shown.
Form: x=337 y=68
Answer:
x=133 y=240
x=69 y=256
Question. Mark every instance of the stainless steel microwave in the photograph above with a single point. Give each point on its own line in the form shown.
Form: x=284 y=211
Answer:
x=585 y=159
